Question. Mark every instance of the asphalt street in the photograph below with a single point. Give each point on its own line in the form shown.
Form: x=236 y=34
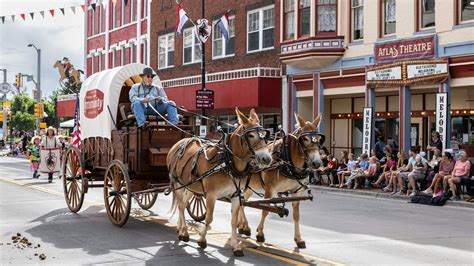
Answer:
x=338 y=229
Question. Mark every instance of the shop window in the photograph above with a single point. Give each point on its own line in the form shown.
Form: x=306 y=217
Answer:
x=191 y=47
x=289 y=19
x=261 y=29
x=462 y=131
x=304 y=17
x=326 y=11
x=221 y=47
x=465 y=11
x=426 y=13
x=388 y=17
x=357 y=131
x=165 y=51
x=357 y=26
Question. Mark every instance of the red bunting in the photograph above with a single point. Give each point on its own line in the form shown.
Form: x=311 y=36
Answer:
x=52 y=12
x=83 y=8
x=22 y=16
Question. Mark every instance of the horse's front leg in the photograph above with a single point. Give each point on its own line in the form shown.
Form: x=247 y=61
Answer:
x=300 y=243
x=236 y=248
x=210 y=203
x=243 y=222
x=260 y=235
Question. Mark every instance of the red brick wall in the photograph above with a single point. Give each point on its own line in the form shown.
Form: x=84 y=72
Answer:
x=163 y=20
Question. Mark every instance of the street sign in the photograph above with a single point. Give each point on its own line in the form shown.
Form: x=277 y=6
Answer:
x=42 y=125
x=204 y=99
x=5 y=88
x=367 y=131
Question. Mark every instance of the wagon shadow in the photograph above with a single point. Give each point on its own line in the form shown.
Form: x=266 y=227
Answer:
x=91 y=231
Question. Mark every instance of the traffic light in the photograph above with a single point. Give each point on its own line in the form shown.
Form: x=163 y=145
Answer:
x=9 y=115
x=18 y=80
x=36 y=110
x=39 y=110
x=1 y=116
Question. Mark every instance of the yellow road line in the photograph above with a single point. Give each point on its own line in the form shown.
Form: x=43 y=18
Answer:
x=214 y=235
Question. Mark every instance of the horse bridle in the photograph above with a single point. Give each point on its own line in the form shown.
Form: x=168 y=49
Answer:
x=263 y=134
x=316 y=141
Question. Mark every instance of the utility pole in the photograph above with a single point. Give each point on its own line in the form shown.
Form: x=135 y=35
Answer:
x=203 y=61
x=4 y=74
x=38 y=85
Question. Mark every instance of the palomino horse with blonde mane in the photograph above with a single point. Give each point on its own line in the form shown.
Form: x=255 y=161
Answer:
x=74 y=74
x=217 y=170
x=297 y=154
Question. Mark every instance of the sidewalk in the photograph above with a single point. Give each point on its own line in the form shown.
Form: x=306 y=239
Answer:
x=5 y=151
x=378 y=193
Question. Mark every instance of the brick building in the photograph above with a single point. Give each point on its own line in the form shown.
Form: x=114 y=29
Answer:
x=243 y=72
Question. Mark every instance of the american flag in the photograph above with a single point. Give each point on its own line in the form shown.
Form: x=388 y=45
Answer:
x=76 y=137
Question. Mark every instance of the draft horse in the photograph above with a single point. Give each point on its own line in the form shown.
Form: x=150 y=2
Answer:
x=295 y=155
x=217 y=170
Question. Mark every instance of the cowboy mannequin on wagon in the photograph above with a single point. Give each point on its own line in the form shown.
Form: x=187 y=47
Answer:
x=145 y=93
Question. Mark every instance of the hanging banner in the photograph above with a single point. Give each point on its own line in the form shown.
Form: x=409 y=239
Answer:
x=50 y=160
x=442 y=116
x=405 y=49
x=391 y=73
x=367 y=130
x=203 y=29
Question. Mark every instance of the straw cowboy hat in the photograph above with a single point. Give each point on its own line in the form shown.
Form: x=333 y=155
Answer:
x=35 y=138
x=51 y=128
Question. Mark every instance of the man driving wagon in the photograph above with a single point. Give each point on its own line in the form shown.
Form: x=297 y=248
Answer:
x=144 y=94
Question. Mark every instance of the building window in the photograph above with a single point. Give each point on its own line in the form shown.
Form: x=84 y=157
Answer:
x=191 y=47
x=426 y=13
x=388 y=17
x=289 y=19
x=92 y=64
x=112 y=58
x=145 y=8
x=145 y=51
x=124 y=13
x=261 y=28
x=133 y=11
x=221 y=47
x=327 y=16
x=92 y=22
x=166 y=51
x=304 y=17
x=122 y=55
x=100 y=61
x=466 y=11
x=357 y=10
x=114 y=15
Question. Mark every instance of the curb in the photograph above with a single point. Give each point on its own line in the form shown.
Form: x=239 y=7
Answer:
x=374 y=194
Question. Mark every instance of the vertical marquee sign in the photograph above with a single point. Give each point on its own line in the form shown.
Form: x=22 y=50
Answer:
x=442 y=116
x=367 y=131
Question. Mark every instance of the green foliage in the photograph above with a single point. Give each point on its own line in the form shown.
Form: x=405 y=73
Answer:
x=50 y=110
x=69 y=88
x=23 y=121
x=22 y=103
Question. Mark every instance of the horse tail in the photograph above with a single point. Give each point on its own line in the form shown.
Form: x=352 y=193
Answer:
x=80 y=71
x=174 y=201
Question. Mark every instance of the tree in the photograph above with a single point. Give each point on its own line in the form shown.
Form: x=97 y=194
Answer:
x=68 y=88
x=22 y=103
x=50 y=110
x=23 y=121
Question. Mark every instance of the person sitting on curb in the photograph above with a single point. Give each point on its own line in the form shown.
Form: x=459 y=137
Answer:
x=417 y=174
x=351 y=165
x=143 y=94
x=386 y=176
x=369 y=174
x=459 y=176
x=402 y=177
x=445 y=168
x=359 y=171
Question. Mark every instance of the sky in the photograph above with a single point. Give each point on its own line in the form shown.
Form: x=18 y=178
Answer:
x=57 y=37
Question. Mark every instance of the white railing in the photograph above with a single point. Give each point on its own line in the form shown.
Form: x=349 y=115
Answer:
x=255 y=72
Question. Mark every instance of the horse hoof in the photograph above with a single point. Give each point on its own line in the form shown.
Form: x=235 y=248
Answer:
x=202 y=244
x=301 y=244
x=238 y=253
x=247 y=232
x=260 y=238
x=241 y=231
x=183 y=238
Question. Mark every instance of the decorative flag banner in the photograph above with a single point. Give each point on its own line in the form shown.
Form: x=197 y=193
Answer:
x=73 y=9
x=83 y=8
x=52 y=12
x=181 y=20
x=3 y=19
x=42 y=13
x=32 y=14
x=62 y=10
x=223 y=24
x=22 y=16
x=114 y=2
x=13 y=18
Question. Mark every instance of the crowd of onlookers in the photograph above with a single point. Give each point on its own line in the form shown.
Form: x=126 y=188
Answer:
x=444 y=174
x=30 y=147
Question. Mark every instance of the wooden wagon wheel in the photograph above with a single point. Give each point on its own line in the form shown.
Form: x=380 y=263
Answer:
x=146 y=200
x=74 y=182
x=197 y=207
x=117 y=193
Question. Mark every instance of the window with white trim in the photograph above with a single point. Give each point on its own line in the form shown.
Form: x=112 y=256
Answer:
x=124 y=16
x=101 y=17
x=133 y=10
x=145 y=8
x=357 y=9
x=389 y=11
x=92 y=64
x=260 y=29
x=92 y=22
x=166 y=51
x=114 y=15
x=289 y=13
x=465 y=11
x=133 y=52
x=122 y=55
x=426 y=9
x=221 y=47
x=145 y=51
x=191 y=47
x=304 y=17
x=112 y=57
x=100 y=61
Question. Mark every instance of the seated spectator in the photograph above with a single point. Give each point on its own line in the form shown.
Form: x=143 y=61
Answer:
x=324 y=163
x=351 y=165
x=369 y=173
x=445 y=167
x=359 y=171
x=332 y=166
x=341 y=166
x=459 y=176
x=417 y=174
x=433 y=165
x=403 y=175
x=386 y=176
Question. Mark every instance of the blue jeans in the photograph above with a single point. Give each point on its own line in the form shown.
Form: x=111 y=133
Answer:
x=139 y=109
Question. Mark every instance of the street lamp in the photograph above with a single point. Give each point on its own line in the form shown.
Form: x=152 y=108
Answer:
x=38 y=84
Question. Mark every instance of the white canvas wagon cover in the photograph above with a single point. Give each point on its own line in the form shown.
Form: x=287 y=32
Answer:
x=100 y=93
